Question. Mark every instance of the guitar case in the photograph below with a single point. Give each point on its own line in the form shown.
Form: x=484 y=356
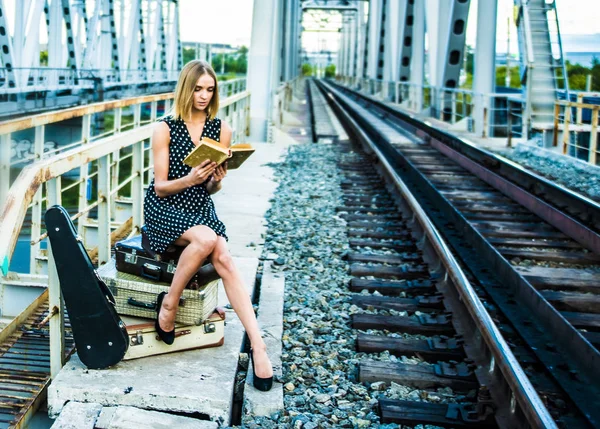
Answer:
x=100 y=335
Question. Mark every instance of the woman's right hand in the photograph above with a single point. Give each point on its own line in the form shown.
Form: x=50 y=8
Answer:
x=201 y=172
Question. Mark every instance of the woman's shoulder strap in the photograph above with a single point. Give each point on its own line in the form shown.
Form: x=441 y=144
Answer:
x=169 y=120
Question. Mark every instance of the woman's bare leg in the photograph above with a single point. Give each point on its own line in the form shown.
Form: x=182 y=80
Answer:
x=199 y=242
x=240 y=301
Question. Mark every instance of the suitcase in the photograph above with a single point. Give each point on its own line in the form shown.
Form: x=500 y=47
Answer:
x=134 y=256
x=136 y=296
x=143 y=340
x=99 y=333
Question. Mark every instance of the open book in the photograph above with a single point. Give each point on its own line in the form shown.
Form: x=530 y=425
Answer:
x=211 y=149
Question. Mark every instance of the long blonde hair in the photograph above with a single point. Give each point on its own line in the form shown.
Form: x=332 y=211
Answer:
x=184 y=91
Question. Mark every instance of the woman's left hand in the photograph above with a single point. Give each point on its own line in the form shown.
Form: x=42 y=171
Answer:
x=219 y=173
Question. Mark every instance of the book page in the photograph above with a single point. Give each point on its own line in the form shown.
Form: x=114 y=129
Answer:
x=239 y=154
x=207 y=149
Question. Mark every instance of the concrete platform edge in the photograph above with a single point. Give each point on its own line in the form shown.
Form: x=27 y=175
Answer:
x=270 y=320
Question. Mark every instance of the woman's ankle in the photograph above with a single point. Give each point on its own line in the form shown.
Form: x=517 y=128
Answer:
x=259 y=346
x=170 y=303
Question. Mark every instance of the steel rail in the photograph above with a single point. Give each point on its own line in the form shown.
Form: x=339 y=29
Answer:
x=577 y=374
x=579 y=207
x=500 y=355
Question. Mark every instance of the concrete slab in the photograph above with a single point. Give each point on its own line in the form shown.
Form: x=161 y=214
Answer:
x=196 y=381
x=77 y=415
x=131 y=418
x=270 y=320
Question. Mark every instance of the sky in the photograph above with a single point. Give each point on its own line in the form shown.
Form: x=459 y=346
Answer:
x=235 y=23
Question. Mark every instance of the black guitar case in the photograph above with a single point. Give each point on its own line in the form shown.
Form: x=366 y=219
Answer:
x=100 y=335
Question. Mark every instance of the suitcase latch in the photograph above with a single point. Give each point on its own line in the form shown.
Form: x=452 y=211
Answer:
x=137 y=339
x=131 y=258
x=209 y=327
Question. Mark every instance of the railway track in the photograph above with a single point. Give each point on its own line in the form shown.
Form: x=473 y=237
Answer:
x=25 y=364
x=536 y=282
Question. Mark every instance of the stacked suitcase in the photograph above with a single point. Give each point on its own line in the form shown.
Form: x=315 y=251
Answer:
x=136 y=276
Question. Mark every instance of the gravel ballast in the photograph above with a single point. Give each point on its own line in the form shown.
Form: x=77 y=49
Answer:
x=569 y=172
x=319 y=357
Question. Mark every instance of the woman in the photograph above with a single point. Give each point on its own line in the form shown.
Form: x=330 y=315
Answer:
x=178 y=208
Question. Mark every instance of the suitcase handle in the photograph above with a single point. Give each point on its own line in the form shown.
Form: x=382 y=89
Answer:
x=135 y=303
x=150 y=271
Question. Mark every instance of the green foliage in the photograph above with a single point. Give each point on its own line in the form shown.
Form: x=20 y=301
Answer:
x=189 y=54
x=231 y=63
x=515 y=78
x=228 y=76
x=578 y=75
x=468 y=82
x=236 y=63
x=43 y=58
x=307 y=69
x=330 y=71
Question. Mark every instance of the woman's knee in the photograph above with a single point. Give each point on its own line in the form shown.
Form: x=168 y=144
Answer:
x=225 y=260
x=203 y=238
x=222 y=258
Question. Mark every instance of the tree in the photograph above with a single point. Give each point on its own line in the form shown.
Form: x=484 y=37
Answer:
x=189 y=54
x=577 y=76
x=307 y=69
x=330 y=71
x=515 y=78
x=242 y=60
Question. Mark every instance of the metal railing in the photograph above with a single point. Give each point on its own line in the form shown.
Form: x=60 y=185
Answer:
x=281 y=100
x=16 y=80
x=230 y=87
x=100 y=179
x=502 y=113
x=578 y=134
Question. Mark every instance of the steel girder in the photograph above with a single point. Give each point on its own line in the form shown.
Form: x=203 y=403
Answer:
x=406 y=39
x=374 y=42
x=263 y=63
x=7 y=54
x=417 y=66
x=361 y=29
x=392 y=27
x=80 y=40
x=484 y=81
x=455 y=45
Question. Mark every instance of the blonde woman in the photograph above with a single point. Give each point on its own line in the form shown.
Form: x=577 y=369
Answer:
x=179 y=210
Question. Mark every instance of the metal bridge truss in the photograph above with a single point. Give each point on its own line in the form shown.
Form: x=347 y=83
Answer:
x=383 y=45
x=95 y=50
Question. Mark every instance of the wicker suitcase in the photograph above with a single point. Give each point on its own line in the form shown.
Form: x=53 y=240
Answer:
x=136 y=296
x=143 y=340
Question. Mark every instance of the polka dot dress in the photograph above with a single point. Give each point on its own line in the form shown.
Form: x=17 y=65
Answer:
x=169 y=217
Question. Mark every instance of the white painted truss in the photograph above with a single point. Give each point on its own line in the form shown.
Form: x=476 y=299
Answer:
x=116 y=42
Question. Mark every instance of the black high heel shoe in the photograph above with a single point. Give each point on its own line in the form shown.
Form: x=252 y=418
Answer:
x=167 y=337
x=263 y=384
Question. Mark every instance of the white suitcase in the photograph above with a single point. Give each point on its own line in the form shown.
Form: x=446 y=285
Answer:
x=143 y=340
